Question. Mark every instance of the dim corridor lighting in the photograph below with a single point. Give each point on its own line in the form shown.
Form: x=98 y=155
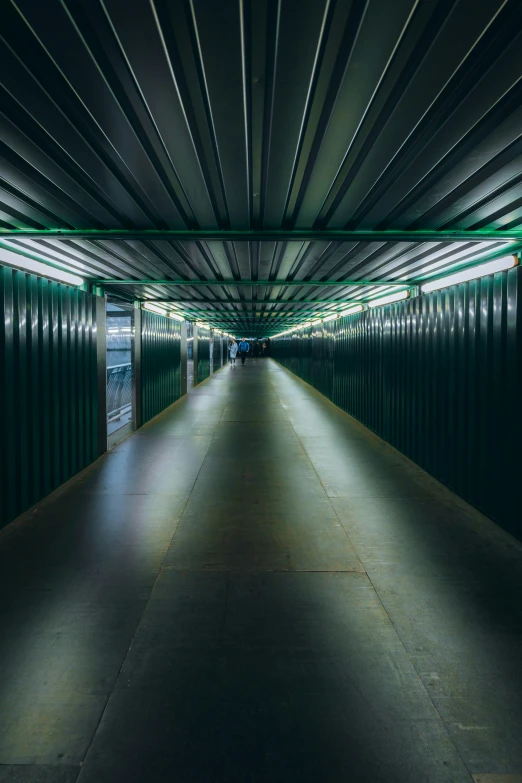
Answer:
x=351 y=310
x=389 y=299
x=474 y=272
x=12 y=258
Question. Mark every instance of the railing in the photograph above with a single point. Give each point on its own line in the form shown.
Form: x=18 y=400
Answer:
x=119 y=390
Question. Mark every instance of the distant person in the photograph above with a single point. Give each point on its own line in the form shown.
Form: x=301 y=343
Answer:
x=263 y=350
x=244 y=348
x=232 y=349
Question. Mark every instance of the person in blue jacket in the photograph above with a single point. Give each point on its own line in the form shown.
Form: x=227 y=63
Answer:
x=243 y=350
x=233 y=352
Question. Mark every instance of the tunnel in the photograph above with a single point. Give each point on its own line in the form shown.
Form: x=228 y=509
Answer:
x=261 y=382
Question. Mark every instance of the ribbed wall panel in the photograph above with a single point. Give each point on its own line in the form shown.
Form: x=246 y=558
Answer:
x=160 y=363
x=48 y=387
x=204 y=337
x=439 y=377
x=217 y=353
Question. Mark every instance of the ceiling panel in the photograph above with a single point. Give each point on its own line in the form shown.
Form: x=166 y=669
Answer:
x=260 y=115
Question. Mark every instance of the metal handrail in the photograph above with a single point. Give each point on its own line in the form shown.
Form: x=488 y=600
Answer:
x=114 y=366
x=119 y=390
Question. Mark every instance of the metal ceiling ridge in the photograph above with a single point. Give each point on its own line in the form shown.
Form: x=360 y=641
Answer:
x=327 y=283
x=189 y=302
x=296 y=235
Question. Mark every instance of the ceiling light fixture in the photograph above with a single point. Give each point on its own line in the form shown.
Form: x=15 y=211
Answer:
x=282 y=334
x=384 y=300
x=352 y=311
x=154 y=309
x=472 y=273
x=330 y=318
x=176 y=317
x=11 y=257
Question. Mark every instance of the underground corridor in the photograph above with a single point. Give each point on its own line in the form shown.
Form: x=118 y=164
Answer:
x=260 y=384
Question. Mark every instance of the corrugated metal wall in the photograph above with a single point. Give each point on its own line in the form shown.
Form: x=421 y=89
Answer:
x=203 y=370
x=48 y=387
x=217 y=352
x=160 y=363
x=439 y=377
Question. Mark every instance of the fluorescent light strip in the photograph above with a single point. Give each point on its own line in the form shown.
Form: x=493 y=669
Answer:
x=351 y=311
x=462 y=256
x=498 y=265
x=12 y=258
x=330 y=318
x=154 y=308
x=282 y=334
x=317 y=321
x=384 y=300
x=162 y=311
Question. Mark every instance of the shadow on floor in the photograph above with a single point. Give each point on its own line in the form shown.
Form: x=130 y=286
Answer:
x=253 y=587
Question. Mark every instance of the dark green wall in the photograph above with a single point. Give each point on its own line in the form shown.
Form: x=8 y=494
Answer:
x=203 y=369
x=439 y=377
x=160 y=363
x=216 y=356
x=48 y=387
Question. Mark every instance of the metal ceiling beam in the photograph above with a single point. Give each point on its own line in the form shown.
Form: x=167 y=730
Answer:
x=270 y=235
x=324 y=283
x=189 y=302
x=231 y=315
x=237 y=303
x=264 y=324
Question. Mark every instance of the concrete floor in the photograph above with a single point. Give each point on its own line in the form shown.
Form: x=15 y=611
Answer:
x=254 y=588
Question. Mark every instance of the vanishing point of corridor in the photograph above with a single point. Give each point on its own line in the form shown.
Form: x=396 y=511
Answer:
x=253 y=587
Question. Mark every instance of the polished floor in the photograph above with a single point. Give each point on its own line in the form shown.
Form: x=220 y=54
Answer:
x=255 y=588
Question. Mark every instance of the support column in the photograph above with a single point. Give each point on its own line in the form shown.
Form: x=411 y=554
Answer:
x=101 y=371
x=195 y=353
x=137 y=380
x=183 y=359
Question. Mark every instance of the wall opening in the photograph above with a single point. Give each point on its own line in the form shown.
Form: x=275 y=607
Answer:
x=121 y=416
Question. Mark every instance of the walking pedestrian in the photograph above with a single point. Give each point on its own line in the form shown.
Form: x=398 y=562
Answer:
x=232 y=349
x=244 y=348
